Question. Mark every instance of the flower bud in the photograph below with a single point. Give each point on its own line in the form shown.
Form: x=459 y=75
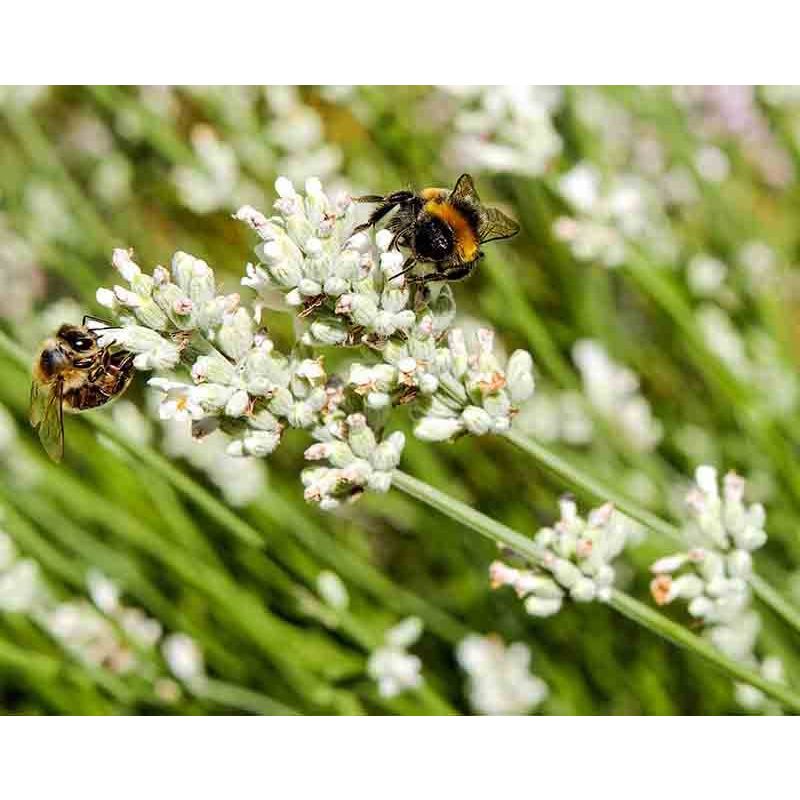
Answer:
x=740 y=564
x=379 y=481
x=519 y=376
x=437 y=429
x=583 y=590
x=541 y=607
x=124 y=264
x=476 y=420
x=238 y=404
x=566 y=573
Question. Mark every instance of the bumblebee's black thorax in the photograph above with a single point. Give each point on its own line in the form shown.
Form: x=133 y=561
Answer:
x=433 y=238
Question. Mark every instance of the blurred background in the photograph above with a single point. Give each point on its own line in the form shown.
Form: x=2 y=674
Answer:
x=654 y=283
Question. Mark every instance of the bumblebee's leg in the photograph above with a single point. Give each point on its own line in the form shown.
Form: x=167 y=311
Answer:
x=376 y=216
x=456 y=273
x=408 y=265
x=388 y=202
x=399 y=235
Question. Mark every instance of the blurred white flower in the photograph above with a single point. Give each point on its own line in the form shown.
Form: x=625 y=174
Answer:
x=712 y=164
x=499 y=680
x=613 y=391
x=184 y=659
x=393 y=668
x=705 y=274
x=332 y=590
x=505 y=129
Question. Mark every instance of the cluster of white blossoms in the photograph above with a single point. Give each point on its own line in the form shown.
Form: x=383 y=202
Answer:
x=345 y=292
x=607 y=217
x=613 y=392
x=358 y=461
x=755 y=358
x=574 y=558
x=391 y=665
x=475 y=393
x=214 y=182
x=505 y=128
x=104 y=633
x=499 y=680
x=712 y=574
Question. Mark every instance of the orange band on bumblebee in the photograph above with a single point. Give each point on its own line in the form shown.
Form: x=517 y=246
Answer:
x=466 y=240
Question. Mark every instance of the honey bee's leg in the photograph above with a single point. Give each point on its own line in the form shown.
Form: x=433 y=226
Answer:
x=408 y=265
x=94 y=319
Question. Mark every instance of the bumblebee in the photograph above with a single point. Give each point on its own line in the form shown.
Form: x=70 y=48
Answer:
x=73 y=373
x=440 y=227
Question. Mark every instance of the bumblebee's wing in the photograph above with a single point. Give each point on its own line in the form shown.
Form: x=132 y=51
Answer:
x=47 y=414
x=465 y=190
x=496 y=225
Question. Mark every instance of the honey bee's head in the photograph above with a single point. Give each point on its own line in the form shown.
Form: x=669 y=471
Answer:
x=73 y=346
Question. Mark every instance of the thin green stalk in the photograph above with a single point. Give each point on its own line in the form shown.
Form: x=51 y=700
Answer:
x=596 y=489
x=238 y=697
x=574 y=477
x=630 y=607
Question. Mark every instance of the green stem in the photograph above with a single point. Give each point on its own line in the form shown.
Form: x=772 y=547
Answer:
x=238 y=697
x=594 y=488
x=630 y=607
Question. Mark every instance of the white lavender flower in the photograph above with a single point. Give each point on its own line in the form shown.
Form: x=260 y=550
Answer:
x=608 y=216
x=212 y=183
x=557 y=417
x=473 y=392
x=712 y=575
x=23 y=280
x=391 y=665
x=184 y=659
x=343 y=290
x=613 y=391
x=332 y=590
x=505 y=129
x=574 y=559
x=21 y=589
x=357 y=459
x=499 y=680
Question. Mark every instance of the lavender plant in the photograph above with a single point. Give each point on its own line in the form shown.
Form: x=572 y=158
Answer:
x=343 y=294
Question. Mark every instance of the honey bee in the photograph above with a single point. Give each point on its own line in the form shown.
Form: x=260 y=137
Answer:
x=73 y=373
x=440 y=227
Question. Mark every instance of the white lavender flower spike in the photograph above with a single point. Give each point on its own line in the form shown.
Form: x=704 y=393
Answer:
x=393 y=668
x=712 y=574
x=473 y=392
x=575 y=560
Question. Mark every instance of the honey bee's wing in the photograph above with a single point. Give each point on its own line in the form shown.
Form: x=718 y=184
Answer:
x=47 y=414
x=496 y=225
x=40 y=395
x=465 y=190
